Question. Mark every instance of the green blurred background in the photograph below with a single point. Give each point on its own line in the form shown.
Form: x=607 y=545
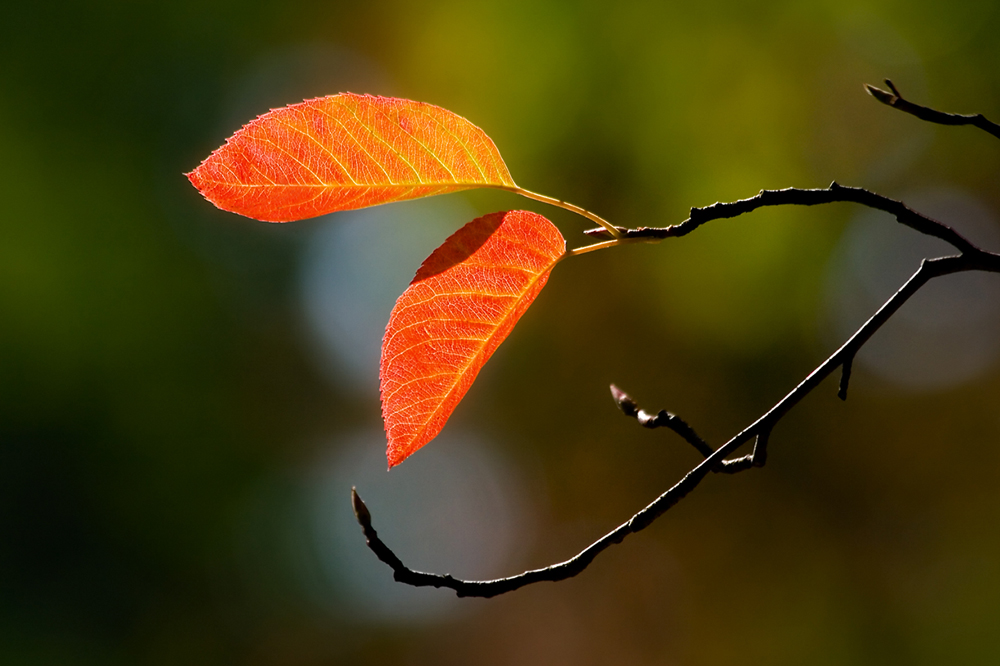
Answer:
x=186 y=396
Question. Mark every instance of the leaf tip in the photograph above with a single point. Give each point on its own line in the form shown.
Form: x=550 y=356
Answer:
x=194 y=177
x=393 y=455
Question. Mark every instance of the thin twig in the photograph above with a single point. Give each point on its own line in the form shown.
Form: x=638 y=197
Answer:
x=793 y=196
x=896 y=101
x=664 y=419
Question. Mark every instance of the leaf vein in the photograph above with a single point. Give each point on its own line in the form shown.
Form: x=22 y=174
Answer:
x=322 y=147
x=459 y=141
x=371 y=131
x=357 y=141
x=419 y=143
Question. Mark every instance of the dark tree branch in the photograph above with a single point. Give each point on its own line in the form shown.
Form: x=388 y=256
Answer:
x=970 y=258
x=973 y=260
x=896 y=101
x=793 y=196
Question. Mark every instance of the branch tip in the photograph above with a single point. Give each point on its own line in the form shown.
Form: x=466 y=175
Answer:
x=624 y=401
x=880 y=95
x=845 y=376
x=361 y=512
x=896 y=100
x=759 y=456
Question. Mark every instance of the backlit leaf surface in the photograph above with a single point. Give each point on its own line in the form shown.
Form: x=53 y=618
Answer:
x=462 y=304
x=343 y=152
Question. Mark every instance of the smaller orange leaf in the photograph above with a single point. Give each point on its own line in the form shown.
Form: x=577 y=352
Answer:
x=463 y=302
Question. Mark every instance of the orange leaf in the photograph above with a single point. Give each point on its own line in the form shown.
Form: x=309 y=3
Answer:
x=343 y=152
x=463 y=302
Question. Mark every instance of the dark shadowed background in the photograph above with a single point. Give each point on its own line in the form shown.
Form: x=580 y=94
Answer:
x=187 y=396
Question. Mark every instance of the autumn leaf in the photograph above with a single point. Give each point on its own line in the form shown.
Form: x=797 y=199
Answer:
x=463 y=302
x=343 y=152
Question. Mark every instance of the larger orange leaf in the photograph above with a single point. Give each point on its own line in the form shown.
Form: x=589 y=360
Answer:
x=462 y=304
x=343 y=152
